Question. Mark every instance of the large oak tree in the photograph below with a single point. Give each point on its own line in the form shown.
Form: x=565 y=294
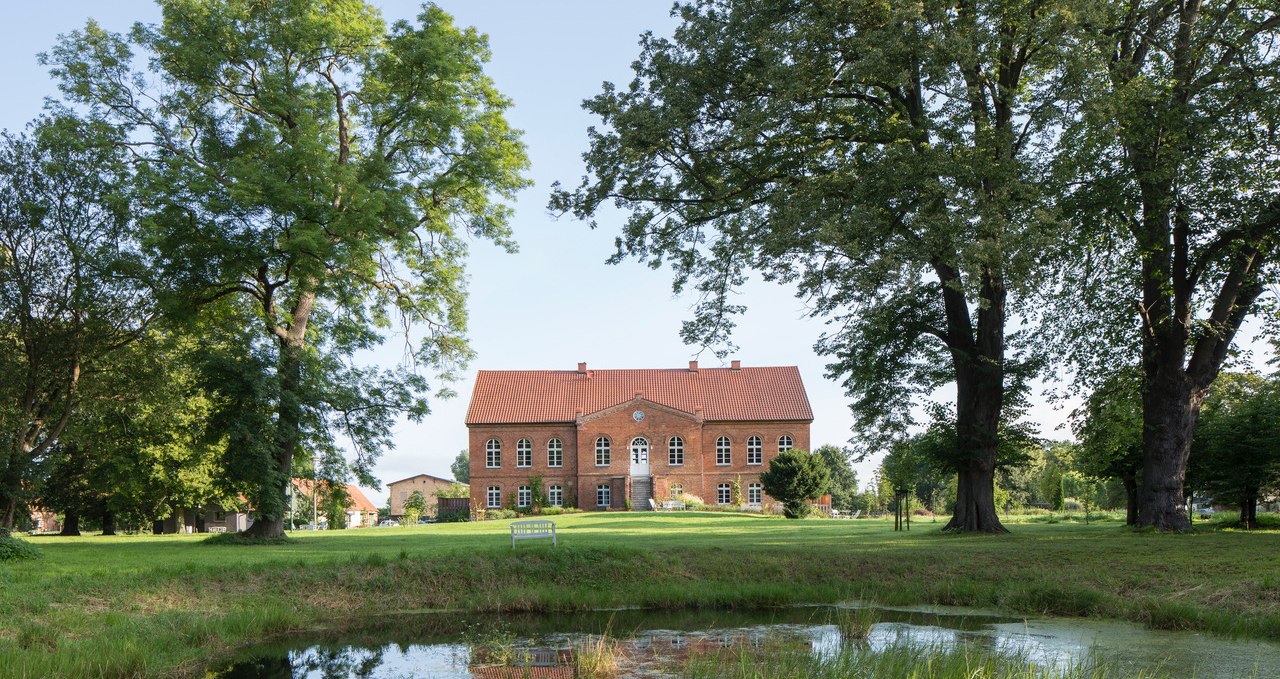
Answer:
x=886 y=157
x=1177 y=201
x=312 y=176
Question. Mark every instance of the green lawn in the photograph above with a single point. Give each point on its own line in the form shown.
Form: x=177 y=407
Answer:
x=148 y=605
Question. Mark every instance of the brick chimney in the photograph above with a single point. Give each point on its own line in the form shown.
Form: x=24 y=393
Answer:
x=582 y=368
x=735 y=365
x=693 y=366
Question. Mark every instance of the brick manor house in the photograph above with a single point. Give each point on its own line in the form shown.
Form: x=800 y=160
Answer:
x=599 y=438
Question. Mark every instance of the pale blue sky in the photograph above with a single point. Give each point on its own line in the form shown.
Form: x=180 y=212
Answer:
x=539 y=309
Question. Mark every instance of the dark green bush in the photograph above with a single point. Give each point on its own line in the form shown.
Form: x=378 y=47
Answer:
x=15 y=549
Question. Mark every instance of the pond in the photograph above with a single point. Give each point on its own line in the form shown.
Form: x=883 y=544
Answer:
x=662 y=643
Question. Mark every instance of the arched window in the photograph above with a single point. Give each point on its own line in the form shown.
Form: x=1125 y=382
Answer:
x=602 y=495
x=755 y=494
x=640 y=450
x=524 y=496
x=675 y=490
x=675 y=451
x=493 y=454
x=555 y=453
x=524 y=453
x=602 y=451
x=784 y=443
x=723 y=495
x=755 y=450
x=494 y=498
x=724 y=452
x=555 y=496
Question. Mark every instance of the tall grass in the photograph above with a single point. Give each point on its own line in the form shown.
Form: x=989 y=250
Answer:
x=899 y=662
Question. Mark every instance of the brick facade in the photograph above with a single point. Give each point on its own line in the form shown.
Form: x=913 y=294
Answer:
x=630 y=428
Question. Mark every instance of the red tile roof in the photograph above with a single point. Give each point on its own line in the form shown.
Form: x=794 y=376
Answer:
x=357 y=497
x=722 y=394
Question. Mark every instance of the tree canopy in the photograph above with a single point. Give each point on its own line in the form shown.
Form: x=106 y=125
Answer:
x=312 y=176
x=886 y=158
x=69 y=292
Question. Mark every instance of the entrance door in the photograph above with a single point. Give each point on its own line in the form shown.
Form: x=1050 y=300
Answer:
x=639 y=456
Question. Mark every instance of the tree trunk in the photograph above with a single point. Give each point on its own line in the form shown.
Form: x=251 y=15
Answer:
x=271 y=499
x=1249 y=509
x=979 y=395
x=71 y=524
x=108 y=522
x=1131 y=499
x=1170 y=408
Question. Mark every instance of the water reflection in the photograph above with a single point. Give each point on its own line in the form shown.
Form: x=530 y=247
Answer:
x=657 y=644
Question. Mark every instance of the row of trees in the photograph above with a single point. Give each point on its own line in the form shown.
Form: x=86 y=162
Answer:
x=191 y=256
x=1234 y=458
x=971 y=193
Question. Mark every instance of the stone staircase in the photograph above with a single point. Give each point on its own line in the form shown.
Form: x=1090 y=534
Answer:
x=641 y=492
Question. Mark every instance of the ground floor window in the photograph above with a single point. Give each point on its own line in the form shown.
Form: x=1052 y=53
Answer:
x=555 y=496
x=602 y=495
x=755 y=494
x=524 y=496
x=494 y=499
x=676 y=490
x=722 y=494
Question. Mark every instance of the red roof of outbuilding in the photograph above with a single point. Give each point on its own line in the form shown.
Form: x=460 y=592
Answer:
x=722 y=394
x=357 y=499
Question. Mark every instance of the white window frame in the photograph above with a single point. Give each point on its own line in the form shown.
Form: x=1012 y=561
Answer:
x=675 y=452
x=493 y=498
x=755 y=493
x=755 y=450
x=555 y=495
x=493 y=454
x=724 y=452
x=675 y=490
x=524 y=453
x=524 y=496
x=604 y=495
x=604 y=451
x=724 y=494
x=785 y=443
x=555 y=453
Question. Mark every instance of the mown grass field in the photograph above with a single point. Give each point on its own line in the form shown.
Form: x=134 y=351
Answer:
x=163 y=605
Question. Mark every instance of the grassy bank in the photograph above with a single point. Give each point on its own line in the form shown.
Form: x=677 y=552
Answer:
x=144 y=605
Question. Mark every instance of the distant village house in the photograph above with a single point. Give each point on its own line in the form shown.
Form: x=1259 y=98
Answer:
x=400 y=492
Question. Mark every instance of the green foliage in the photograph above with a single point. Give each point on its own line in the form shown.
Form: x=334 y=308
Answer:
x=795 y=477
x=843 y=485
x=798 y=141
x=537 y=493
x=452 y=490
x=735 y=492
x=70 y=294
x=341 y=167
x=1235 y=455
x=414 y=508
x=1109 y=428
x=461 y=467
x=16 y=549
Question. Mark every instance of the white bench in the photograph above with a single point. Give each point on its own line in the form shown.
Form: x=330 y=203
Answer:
x=669 y=505
x=530 y=530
